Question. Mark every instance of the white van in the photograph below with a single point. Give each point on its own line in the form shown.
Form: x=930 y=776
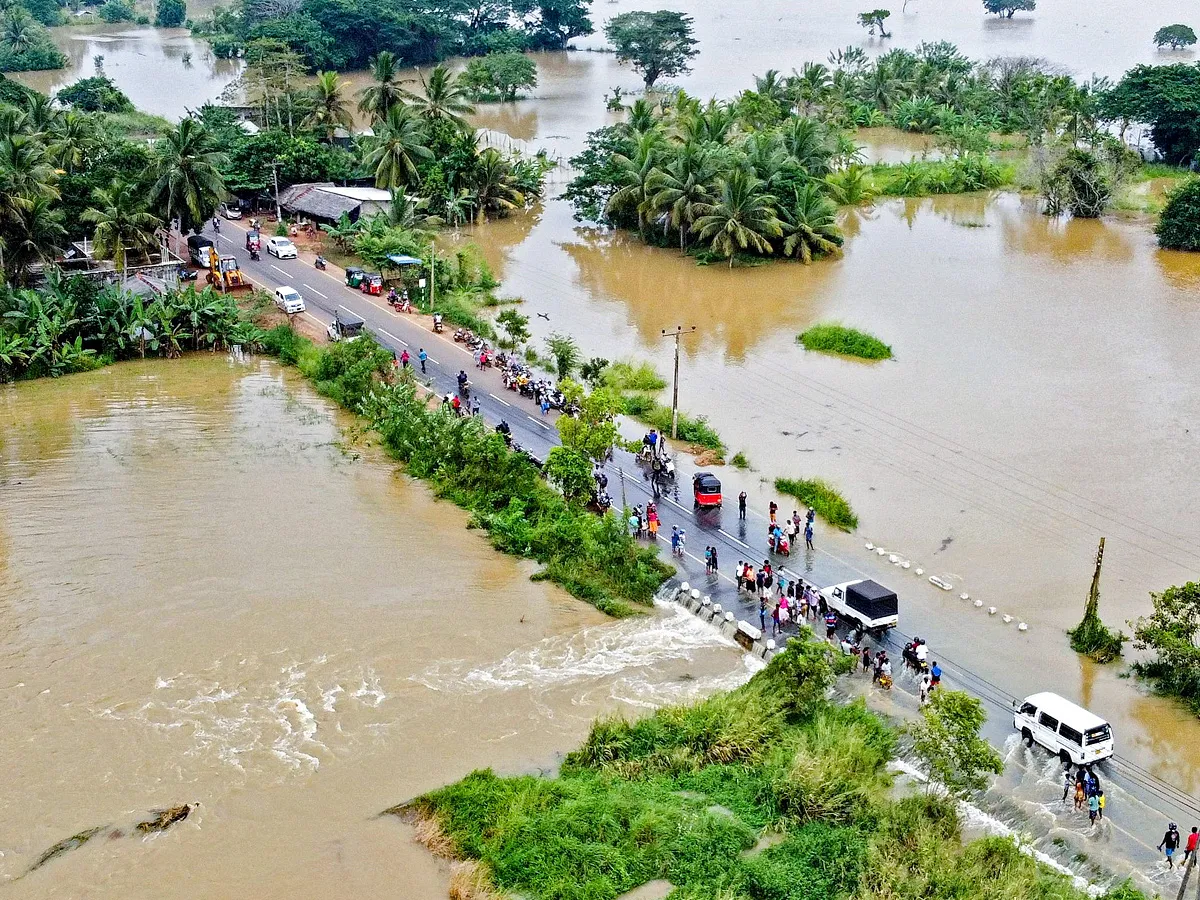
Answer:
x=289 y=300
x=1060 y=726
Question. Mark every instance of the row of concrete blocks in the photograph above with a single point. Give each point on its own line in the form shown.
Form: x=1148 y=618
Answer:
x=750 y=637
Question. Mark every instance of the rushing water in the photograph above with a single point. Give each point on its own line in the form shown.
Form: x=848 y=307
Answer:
x=207 y=595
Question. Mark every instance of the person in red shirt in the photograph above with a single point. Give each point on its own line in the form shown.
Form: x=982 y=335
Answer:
x=1192 y=840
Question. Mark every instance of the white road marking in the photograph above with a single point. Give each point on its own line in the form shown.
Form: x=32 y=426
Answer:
x=673 y=503
x=314 y=290
x=536 y=422
x=393 y=337
x=498 y=400
x=732 y=538
x=279 y=270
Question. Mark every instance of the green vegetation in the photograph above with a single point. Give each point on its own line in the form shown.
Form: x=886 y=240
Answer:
x=627 y=375
x=1170 y=633
x=1167 y=98
x=499 y=76
x=927 y=177
x=25 y=44
x=683 y=795
x=740 y=461
x=346 y=34
x=947 y=741
x=1091 y=636
x=693 y=430
x=1007 y=8
x=95 y=94
x=874 y=21
x=1179 y=226
x=114 y=11
x=72 y=325
x=591 y=556
x=823 y=497
x=656 y=44
x=831 y=337
x=1174 y=36
x=565 y=353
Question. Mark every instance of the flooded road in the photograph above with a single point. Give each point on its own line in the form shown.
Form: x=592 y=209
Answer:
x=207 y=595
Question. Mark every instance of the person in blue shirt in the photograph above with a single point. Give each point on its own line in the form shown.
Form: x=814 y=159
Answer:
x=422 y=356
x=935 y=674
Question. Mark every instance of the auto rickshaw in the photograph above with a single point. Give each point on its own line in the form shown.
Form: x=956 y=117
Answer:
x=253 y=240
x=354 y=276
x=371 y=283
x=706 y=490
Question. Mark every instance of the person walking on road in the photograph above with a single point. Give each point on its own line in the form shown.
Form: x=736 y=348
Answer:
x=422 y=356
x=404 y=358
x=808 y=536
x=762 y=615
x=773 y=509
x=1101 y=802
x=742 y=506
x=1068 y=784
x=1189 y=849
x=830 y=625
x=714 y=560
x=1093 y=805
x=1170 y=843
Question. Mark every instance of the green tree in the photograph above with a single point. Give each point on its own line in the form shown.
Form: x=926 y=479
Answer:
x=1170 y=634
x=657 y=44
x=551 y=24
x=114 y=11
x=384 y=91
x=566 y=354
x=742 y=218
x=810 y=223
x=947 y=741
x=332 y=109
x=122 y=223
x=442 y=98
x=499 y=75
x=1179 y=225
x=593 y=432
x=399 y=142
x=684 y=189
x=874 y=21
x=170 y=13
x=1168 y=99
x=188 y=182
x=493 y=186
x=515 y=325
x=636 y=177
x=1174 y=36
x=95 y=94
x=571 y=472
x=1006 y=8
x=1079 y=185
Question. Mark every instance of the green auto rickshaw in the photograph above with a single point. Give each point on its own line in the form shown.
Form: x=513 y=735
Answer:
x=354 y=276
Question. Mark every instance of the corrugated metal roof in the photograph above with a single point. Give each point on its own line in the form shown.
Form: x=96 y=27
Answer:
x=316 y=200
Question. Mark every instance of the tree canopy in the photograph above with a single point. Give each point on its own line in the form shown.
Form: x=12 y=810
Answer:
x=1167 y=98
x=1007 y=8
x=1170 y=632
x=947 y=741
x=1174 y=36
x=873 y=20
x=1179 y=225
x=499 y=76
x=95 y=94
x=657 y=44
x=170 y=13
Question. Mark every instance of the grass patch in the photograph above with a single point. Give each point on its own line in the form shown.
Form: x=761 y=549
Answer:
x=832 y=337
x=823 y=497
x=739 y=461
x=624 y=375
x=692 y=429
x=592 y=557
x=930 y=177
x=678 y=795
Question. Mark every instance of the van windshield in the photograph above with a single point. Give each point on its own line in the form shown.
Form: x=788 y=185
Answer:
x=1098 y=734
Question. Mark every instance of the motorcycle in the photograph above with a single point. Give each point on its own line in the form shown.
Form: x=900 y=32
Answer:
x=437 y=324
x=319 y=263
x=187 y=274
x=464 y=389
x=254 y=254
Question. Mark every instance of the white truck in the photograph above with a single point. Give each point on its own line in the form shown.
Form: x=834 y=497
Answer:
x=863 y=602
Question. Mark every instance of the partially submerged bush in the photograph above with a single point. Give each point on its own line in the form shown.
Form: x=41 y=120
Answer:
x=831 y=337
x=823 y=497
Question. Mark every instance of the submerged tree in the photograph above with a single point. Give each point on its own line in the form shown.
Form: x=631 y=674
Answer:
x=1170 y=633
x=657 y=44
x=1006 y=8
x=1091 y=636
x=873 y=20
x=1174 y=36
x=1079 y=185
x=1179 y=225
x=565 y=352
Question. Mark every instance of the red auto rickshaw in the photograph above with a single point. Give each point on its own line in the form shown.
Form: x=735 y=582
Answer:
x=253 y=240
x=706 y=489
x=372 y=283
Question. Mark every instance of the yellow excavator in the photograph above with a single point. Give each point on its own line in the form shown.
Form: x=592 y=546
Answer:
x=223 y=272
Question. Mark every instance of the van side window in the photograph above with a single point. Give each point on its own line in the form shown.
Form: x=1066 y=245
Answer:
x=1048 y=721
x=1071 y=734
x=1028 y=710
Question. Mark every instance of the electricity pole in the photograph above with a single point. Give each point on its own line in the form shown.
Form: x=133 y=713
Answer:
x=679 y=330
x=275 y=175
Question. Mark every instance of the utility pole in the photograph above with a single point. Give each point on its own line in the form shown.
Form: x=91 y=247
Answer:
x=432 y=274
x=275 y=175
x=679 y=330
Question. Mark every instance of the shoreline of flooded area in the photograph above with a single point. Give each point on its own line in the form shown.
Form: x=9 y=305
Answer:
x=211 y=592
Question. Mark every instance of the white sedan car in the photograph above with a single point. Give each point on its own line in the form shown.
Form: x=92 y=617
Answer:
x=281 y=248
x=289 y=300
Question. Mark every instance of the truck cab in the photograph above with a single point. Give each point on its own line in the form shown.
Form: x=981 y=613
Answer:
x=864 y=602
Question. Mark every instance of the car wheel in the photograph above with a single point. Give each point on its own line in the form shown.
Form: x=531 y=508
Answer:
x=1027 y=737
x=1064 y=757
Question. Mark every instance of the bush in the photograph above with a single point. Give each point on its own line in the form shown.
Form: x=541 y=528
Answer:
x=823 y=497
x=170 y=13
x=830 y=337
x=114 y=11
x=95 y=94
x=692 y=430
x=1179 y=225
x=626 y=375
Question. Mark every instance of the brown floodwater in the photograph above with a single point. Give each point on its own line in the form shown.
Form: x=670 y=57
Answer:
x=209 y=593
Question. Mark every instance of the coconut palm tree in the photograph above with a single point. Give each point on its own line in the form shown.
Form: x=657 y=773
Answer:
x=71 y=141
x=19 y=31
x=637 y=178
x=398 y=143
x=493 y=185
x=807 y=142
x=378 y=98
x=122 y=222
x=33 y=232
x=811 y=225
x=850 y=186
x=442 y=97
x=332 y=109
x=27 y=171
x=188 y=183
x=743 y=218
x=411 y=214
x=683 y=189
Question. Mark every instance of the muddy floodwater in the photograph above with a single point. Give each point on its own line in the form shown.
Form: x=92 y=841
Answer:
x=207 y=595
